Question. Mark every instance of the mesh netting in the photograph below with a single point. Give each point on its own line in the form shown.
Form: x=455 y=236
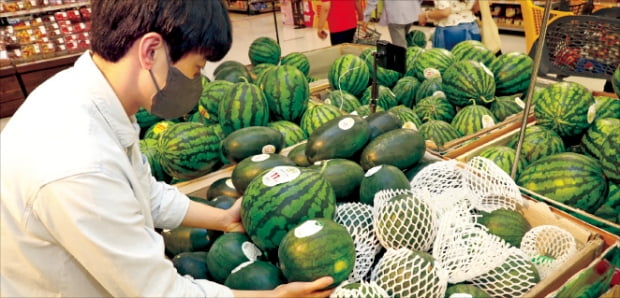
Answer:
x=548 y=247
x=357 y=219
x=357 y=290
x=403 y=218
x=406 y=273
x=512 y=279
x=492 y=187
x=465 y=248
x=443 y=181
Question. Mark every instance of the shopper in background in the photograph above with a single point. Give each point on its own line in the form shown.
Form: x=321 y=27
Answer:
x=398 y=15
x=342 y=17
x=454 y=22
x=78 y=205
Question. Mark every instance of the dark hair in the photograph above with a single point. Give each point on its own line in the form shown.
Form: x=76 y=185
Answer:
x=201 y=26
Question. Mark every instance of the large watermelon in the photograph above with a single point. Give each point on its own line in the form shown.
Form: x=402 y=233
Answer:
x=212 y=94
x=610 y=156
x=466 y=80
x=428 y=87
x=478 y=53
x=287 y=92
x=299 y=60
x=464 y=45
x=385 y=77
x=504 y=106
x=343 y=100
x=244 y=105
x=565 y=107
x=148 y=147
x=316 y=115
x=573 y=179
x=279 y=199
x=538 y=142
x=473 y=118
x=513 y=72
x=435 y=107
x=406 y=114
x=508 y=224
x=264 y=50
x=437 y=58
x=349 y=73
x=232 y=71
x=405 y=90
x=438 y=131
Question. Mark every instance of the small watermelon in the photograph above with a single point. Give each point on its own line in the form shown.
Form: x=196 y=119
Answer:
x=435 y=107
x=343 y=100
x=565 y=107
x=416 y=38
x=299 y=60
x=244 y=105
x=466 y=80
x=538 y=142
x=439 y=132
x=316 y=115
x=264 y=50
x=286 y=91
x=473 y=118
x=436 y=58
x=512 y=72
x=349 y=73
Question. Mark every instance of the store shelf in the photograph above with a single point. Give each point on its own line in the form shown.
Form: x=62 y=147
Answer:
x=250 y=6
x=44 y=9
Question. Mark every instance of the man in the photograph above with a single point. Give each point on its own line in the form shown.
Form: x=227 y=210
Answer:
x=398 y=15
x=78 y=206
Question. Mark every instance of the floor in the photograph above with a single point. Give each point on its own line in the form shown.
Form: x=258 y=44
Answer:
x=247 y=28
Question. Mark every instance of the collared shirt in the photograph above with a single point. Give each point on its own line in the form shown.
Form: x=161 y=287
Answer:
x=460 y=12
x=78 y=203
x=395 y=11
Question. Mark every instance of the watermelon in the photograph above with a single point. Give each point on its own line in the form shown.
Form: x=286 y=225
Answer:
x=155 y=131
x=503 y=157
x=538 y=142
x=385 y=77
x=244 y=105
x=186 y=239
x=510 y=225
x=255 y=275
x=251 y=140
x=145 y=120
x=279 y=199
x=316 y=115
x=382 y=122
x=512 y=72
x=473 y=118
x=478 y=53
x=401 y=148
x=406 y=114
x=610 y=156
x=316 y=248
x=405 y=90
x=615 y=81
x=429 y=87
x=611 y=208
x=379 y=178
x=343 y=175
x=341 y=137
x=607 y=107
x=439 y=132
x=148 y=147
x=464 y=45
x=343 y=100
x=222 y=187
x=386 y=99
x=513 y=278
x=291 y=132
x=192 y=263
x=416 y=38
x=210 y=99
x=287 y=92
x=232 y=71
x=437 y=58
x=411 y=55
x=349 y=73
x=597 y=134
x=504 y=106
x=252 y=166
x=364 y=110
x=406 y=273
x=229 y=251
x=189 y=150
x=565 y=107
x=570 y=178
x=298 y=60
x=435 y=107
x=264 y=50
x=466 y=80
x=298 y=155
x=258 y=70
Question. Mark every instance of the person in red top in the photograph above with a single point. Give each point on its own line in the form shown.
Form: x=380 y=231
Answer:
x=342 y=17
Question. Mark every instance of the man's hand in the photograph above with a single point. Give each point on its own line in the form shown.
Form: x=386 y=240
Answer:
x=295 y=289
x=321 y=34
x=234 y=217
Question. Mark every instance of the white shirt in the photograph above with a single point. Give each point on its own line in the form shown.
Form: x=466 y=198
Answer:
x=460 y=12
x=78 y=203
x=395 y=11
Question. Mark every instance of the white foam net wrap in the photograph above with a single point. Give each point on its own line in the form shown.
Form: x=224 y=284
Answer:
x=357 y=219
x=443 y=181
x=358 y=290
x=512 y=279
x=403 y=218
x=465 y=248
x=406 y=273
x=548 y=247
x=490 y=185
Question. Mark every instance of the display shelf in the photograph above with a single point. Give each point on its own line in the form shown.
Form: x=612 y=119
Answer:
x=252 y=6
x=43 y=9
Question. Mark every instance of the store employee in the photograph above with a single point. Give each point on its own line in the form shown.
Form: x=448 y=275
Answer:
x=78 y=203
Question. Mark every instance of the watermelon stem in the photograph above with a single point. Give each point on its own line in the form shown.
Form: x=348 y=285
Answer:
x=485 y=100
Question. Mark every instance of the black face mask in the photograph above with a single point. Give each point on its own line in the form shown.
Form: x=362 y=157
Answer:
x=178 y=97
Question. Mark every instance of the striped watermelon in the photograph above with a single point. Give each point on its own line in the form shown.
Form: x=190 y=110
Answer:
x=155 y=131
x=416 y=38
x=440 y=132
x=232 y=71
x=244 y=105
x=435 y=107
x=292 y=133
x=148 y=147
x=343 y=100
x=615 y=81
x=189 y=150
x=428 y=88
x=287 y=92
x=513 y=72
x=607 y=107
x=437 y=58
x=411 y=55
x=258 y=70
x=405 y=90
x=385 y=77
x=212 y=94
x=565 y=107
x=299 y=60
x=538 y=142
x=504 y=106
x=464 y=45
x=386 y=98
x=364 y=110
x=466 y=80
x=478 y=53
x=264 y=50
x=473 y=118
x=145 y=120
x=610 y=156
x=610 y=210
x=597 y=134
x=503 y=157
x=573 y=179
x=406 y=114
x=349 y=73
x=316 y=115
x=279 y=199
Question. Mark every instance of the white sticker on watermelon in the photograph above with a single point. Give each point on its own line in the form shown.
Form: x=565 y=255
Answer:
x=430 y=73
x=353 y=113
x=372 y=171
x=520 y=102
x=241 y=266
x=461 y=295
x=229 y=183
x=410 y=125
x=328 y=101
x=487 y=121
x=308 y=228
x=269 y=149
x=250 y=250
x=591 y=113
x=439 y=93
x=280 y=174
x=259 y=157
x=346 y=123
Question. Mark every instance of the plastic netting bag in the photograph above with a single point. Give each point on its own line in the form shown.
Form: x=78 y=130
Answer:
x=357 y=219
x=408 y=273
x=548 y=247
x=490 y=185
x=403 y=218
x=359 y=289
x=513 y=278
x=465 y=248
x=443 y=181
